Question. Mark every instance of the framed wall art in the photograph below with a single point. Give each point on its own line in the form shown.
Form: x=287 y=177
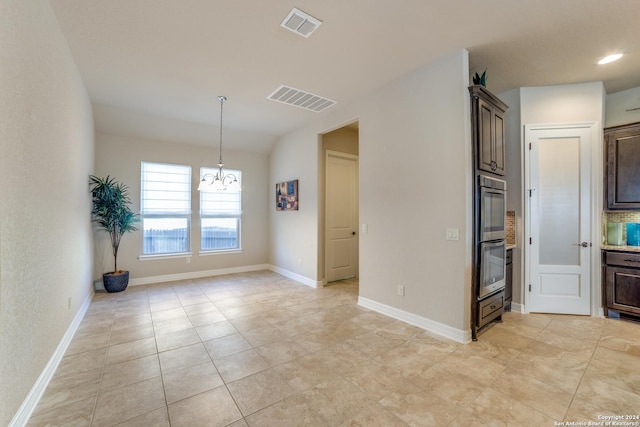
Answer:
x=287 y=196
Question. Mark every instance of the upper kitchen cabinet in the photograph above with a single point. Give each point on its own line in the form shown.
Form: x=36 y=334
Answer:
x=487 y=126
x=622 y=167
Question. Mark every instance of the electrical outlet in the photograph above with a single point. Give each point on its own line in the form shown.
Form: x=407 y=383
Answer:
x=453 y=234
x=299 y=261
x=401 y=290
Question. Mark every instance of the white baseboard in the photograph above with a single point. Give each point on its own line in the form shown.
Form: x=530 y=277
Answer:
x=441 y=329
x=297 y=277
x=29 y=404
x=219 y=272
x=517 y=307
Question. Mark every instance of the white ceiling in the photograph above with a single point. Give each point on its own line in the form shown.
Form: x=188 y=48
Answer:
x=154 y=68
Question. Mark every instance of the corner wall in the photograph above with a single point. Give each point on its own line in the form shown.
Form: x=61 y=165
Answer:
x=47 y=147
x=415 y=182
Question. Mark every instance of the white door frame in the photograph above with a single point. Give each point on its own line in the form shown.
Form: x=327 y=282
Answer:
x=596 y=209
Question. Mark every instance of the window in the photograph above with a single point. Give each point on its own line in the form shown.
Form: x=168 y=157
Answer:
x=165 y=208
x=220 y=213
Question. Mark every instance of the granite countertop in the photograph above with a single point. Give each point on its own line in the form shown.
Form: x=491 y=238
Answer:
x=511 y=246
x=623 y=248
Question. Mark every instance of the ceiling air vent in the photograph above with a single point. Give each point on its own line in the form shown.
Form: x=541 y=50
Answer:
x=300 y=22
x=301 y=99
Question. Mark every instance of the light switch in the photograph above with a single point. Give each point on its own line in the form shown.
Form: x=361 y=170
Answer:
x=365 y=228
x=453 y=234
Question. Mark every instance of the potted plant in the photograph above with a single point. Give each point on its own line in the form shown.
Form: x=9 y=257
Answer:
x=111 y=210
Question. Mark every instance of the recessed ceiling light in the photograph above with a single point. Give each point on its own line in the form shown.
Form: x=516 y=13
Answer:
x=610 y=58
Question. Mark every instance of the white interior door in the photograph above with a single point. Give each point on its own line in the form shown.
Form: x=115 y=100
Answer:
x=560 y=220
x=341 y=255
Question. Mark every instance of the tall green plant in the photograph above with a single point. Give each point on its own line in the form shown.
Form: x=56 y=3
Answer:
x=111 y=210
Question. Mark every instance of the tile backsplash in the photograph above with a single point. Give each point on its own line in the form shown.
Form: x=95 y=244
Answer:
x=511 y=228
x=617 y=217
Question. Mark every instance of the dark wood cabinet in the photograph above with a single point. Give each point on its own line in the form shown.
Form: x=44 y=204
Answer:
x=487 y=124
x=508 y=287
x=622 y=167
x=622 y=282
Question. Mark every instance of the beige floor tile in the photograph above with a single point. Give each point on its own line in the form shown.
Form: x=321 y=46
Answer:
x=129 y=372
x=131 y=350
x=128 y=320
x=76 y=414
x=128 y=402
x=552 y=365
x=65 y=390
x=617 y=358
x=374 y=416
x=281 y=351
x=304 y=372
x=177 y=339
x=88 y=341
x=168 y=314
x=549 y=400
x=203 y=307
x=183 y=357
x=293 y=355
x=239 y=365
x=308 y=408
x=617 y=376
x=420 y=409
x=265 y=334
x=157 y=418
x=493 y=408
x=226 y=345
x=216 y=330
x=189 y=381
x=87 y=361
x=172 y=325
x=454 y=387
x=259 y=390
x=212 y=408
x=207 y=318
x=132 y=333
x=596 y=393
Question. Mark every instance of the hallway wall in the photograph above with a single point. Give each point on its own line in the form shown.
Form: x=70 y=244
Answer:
x=47 y=148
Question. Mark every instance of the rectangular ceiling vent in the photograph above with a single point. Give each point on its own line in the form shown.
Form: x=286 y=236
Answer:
x=301 y=99
x=300 y=23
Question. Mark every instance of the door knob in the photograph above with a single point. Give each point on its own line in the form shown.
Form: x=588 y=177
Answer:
x=584 y=244
x=353 y=233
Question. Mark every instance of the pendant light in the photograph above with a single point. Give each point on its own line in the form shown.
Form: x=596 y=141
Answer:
x=219 y=181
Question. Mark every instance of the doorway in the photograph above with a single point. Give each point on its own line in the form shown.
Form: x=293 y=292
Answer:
x=560 y=221
x=340 y=224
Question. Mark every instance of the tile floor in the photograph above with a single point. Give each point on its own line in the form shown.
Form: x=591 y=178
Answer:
x=258 y=349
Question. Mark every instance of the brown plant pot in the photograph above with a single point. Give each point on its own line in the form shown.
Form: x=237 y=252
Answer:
x=115 y=281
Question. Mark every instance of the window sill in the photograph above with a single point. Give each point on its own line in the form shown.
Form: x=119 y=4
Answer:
x=165 y=256
x=220 y=252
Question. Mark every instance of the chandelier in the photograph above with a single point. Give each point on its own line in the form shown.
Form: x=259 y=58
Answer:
x=219 y=181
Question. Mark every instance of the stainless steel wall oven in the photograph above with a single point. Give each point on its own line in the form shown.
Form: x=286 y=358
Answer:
x=493 y=209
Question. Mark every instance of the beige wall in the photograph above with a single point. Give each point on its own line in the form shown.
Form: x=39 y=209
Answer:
x=46 y=137
x=120 y=157
x=415 y=182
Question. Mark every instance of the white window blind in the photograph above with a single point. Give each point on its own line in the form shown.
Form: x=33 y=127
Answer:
x=220 y=213
x=165 y=208
x=166 y=189
x=221 y=203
